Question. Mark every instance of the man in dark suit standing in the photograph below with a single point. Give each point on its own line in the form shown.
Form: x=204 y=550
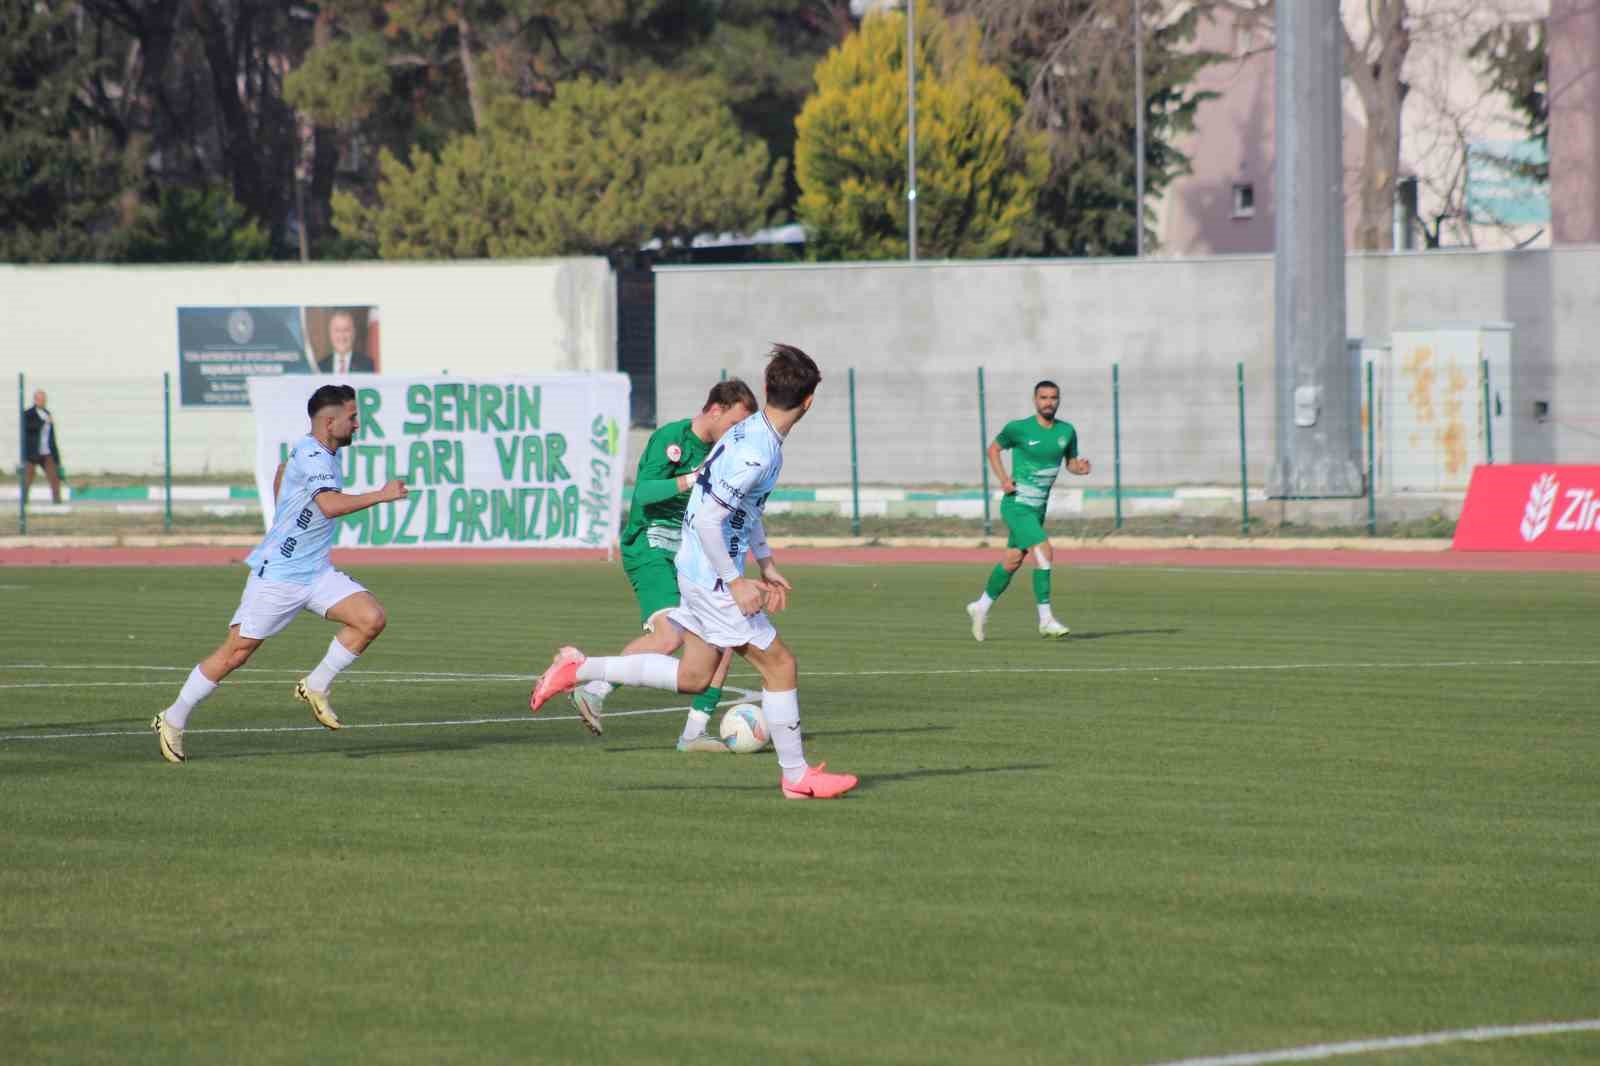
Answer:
x=40 y=447
x=344 y=359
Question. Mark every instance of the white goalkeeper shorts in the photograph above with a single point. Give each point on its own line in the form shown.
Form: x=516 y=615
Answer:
x=268 y=606
x=711 y=615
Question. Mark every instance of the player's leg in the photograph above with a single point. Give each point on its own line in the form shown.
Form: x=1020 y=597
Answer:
x=1043 y=559
x=1020 y=536
x=694 y=736
x=362 y=619
x=780 y=706
x=202 y=681
x=265 y=608
x=654 y=579
x=27 y=478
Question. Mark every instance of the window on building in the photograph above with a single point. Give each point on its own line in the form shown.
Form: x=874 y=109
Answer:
x=1244 y=200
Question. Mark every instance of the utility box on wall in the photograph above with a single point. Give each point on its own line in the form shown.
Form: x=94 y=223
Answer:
x=1444 y=406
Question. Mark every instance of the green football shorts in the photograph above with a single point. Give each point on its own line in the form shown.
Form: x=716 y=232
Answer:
x=1024 y=524
x=654 y=579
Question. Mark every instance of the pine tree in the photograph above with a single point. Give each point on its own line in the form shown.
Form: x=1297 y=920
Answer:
x=978 y=170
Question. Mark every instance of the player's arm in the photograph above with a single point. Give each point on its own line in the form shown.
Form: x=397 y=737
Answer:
x=998 y=465
x=1075 y=464
x=333 y=503
x=277 y=482
x=778 y=587
x=654 y=480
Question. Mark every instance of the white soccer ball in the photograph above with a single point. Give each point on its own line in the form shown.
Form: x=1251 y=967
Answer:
x=743 y=728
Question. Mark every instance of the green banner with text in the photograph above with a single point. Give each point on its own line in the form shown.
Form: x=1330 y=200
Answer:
x=489 y=462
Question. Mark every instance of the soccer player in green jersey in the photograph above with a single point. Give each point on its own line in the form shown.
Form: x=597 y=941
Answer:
x=1038 y=446
x=650 y=540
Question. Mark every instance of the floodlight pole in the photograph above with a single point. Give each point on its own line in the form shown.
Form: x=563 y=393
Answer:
x=911 y=129
x=1138 y=130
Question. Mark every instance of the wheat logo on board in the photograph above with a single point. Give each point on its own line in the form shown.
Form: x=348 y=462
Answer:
x=1541 y=501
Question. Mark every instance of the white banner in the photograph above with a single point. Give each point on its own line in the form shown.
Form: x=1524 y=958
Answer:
x=498 y=462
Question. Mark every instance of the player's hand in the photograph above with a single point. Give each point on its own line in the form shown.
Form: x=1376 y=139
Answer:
x=394 y=490
x=1007 y=486
x=778 y=587
x=1077 y=466
x=686 y=481
x=749 y=596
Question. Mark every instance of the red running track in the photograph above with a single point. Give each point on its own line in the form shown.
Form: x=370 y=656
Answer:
x=1238 y=558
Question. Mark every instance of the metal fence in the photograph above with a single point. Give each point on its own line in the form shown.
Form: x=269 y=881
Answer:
x=887 y=442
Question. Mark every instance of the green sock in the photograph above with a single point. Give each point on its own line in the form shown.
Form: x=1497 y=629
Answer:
x=999 y=578
x=1041 y=587
x=707 y=700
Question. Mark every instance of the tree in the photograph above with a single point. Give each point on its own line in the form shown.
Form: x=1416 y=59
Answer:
x=1517 y=59
x=60 y=175
x=978 y=169
x=601 y=169
x=195 y=226
x=1374 y=59
x=1073 y=59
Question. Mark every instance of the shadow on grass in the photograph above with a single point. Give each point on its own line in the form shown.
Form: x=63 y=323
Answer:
x=1123 y=633
x=872 y=781
x=806 y=736
x=869 y=781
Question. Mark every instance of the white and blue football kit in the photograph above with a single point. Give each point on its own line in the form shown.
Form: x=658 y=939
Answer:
x=291 y=568
x=722 y=523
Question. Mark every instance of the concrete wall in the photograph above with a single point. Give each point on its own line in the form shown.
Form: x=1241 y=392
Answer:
x=916 y=334
x=97 y=339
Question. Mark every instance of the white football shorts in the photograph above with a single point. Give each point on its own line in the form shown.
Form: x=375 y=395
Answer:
x=268 y=606
x=711 y=615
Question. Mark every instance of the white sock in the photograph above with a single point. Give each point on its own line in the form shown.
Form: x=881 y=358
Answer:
x=337 y=659
x=649 y=669
x=195 y=689
x=599 y=688
x=1044 y=614
x=782 y=712
x=694 y=726
x=984 y=603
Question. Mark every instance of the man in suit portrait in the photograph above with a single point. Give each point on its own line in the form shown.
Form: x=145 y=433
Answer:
x=40 y=447
x=344 y=359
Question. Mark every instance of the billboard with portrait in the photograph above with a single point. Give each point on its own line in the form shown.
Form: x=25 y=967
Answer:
x=220 y=347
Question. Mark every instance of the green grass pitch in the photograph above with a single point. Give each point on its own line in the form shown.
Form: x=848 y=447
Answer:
x=1236 y=811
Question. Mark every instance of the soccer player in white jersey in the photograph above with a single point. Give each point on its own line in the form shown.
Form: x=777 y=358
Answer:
x=290 y=570
x=721 y=608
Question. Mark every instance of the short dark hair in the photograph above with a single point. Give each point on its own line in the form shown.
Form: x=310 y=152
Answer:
x=1046 y=384
x=731 y=393
x=792 y=375
x=329 y=396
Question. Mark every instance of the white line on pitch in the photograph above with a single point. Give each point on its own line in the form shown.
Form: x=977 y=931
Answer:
x=1311 y=1052
x=265 y=670
x=740 y=694
x=353 y=679
x=1203 y=669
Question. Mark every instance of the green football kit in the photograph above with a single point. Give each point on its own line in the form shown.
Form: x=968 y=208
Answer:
x=654 y=530
x=655 y=520
x=1037 y=453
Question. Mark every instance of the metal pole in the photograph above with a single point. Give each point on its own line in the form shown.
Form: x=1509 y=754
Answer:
x=22 y=463
x=1488 y=415
x=1372 y=460
x=1244 y=473
x=911 y=128
x=166 y=433
x=1116 y=441
x=855 y=469
x=983 y=451
x=1316 y=397
x=1138 y=129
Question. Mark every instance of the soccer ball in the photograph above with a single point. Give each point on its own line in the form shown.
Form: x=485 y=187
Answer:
x=743 y=729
